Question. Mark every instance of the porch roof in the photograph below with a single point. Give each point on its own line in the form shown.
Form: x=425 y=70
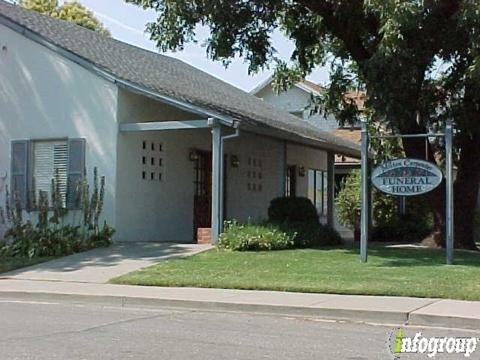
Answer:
x=167 y=79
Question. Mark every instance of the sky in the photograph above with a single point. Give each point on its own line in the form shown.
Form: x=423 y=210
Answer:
x=126 y=22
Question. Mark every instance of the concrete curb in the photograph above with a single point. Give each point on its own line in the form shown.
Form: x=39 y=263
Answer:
x=444 y=321
x=370 y=309
x=371 y=316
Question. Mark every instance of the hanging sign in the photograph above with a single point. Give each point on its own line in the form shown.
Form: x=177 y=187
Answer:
x=406 y=177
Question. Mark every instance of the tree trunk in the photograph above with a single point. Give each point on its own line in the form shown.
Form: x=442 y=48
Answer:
x=466 y=195
x=415 y=148
x=465 y=192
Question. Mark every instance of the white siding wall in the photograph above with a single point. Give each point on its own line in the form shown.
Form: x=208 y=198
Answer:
x=243 y=203
x=295 y=99
x=43 y=95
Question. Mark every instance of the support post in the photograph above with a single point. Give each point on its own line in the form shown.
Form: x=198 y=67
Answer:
x=365 y=198
x=330 y=189
x=284 y=169
x=217 y=158
x=222 y=175
x=449 y=191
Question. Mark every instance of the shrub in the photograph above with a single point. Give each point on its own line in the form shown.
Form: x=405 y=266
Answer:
x=254 y=237
x=348 y=204
x=311 y=234
x=292 y=210
x=50 y=236
x=297 y=215
x=407 y=228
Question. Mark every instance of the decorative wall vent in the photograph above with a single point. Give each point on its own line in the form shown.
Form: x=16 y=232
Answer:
x=254 y=174
x=152 y=157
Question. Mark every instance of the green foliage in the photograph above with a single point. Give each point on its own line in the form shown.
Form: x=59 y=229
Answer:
x=348 y=202
x=49 y=234
x=249 y=237
x=312 y=234
x=292 y=209
x=71 y=11
x=45 y=7
x=405 y=229
x=298 y=216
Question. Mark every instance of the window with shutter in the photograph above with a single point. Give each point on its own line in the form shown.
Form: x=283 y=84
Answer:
x=50 y=161
x=36 y=163
x=19 y=171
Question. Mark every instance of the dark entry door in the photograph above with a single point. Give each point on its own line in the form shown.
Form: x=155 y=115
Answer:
x=202 y=202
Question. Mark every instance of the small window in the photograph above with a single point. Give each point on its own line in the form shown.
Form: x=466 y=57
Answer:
x=153 y=146
x=152 y=161
x=152 y=176
x=144 y=175
x=144 y=160
x=160 y=176
x=291 y=181
x=144 y=145
x=160 y=162
x=317 y=189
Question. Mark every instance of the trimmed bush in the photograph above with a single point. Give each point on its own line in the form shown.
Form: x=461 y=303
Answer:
x=405 y=229
x=292 y=210
x=297 y=215
x=312 y=235
x=249 y=237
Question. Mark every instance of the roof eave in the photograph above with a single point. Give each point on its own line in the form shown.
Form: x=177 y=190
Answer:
x=280 y=134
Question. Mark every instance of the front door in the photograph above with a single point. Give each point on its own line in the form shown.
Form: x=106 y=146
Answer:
x=202 y=202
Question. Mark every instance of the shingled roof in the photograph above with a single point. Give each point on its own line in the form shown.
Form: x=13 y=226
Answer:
x=164 y=77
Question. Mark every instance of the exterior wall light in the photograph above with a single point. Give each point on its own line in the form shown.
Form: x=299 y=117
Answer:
x=234 y=162
x=193 y=156
x=301 y=171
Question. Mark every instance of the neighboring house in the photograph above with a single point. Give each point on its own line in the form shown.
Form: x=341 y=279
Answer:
x=181 y=150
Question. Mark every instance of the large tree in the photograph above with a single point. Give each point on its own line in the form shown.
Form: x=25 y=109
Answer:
x=418 y=61
x=71 y=11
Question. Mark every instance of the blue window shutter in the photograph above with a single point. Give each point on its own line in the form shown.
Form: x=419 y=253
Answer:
x=19 y=171
x=76 y=171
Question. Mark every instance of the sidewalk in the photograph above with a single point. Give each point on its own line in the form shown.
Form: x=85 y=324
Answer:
x=102 y=264
x=372 y=309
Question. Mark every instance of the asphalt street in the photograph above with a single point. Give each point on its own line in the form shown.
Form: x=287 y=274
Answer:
x=62 y=330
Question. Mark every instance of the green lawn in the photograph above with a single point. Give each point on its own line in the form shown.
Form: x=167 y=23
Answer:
x=12 y=263
x=389 y=271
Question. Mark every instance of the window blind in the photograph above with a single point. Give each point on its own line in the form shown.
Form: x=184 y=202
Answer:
x=50 y=161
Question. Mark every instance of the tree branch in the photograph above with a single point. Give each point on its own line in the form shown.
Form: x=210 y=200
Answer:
x=342 y=27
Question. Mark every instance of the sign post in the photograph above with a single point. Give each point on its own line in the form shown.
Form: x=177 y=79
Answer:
x=449 y=191
x=365 y=198
x=406 y=177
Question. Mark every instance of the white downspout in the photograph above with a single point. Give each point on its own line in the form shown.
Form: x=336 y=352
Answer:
x=222 y=177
